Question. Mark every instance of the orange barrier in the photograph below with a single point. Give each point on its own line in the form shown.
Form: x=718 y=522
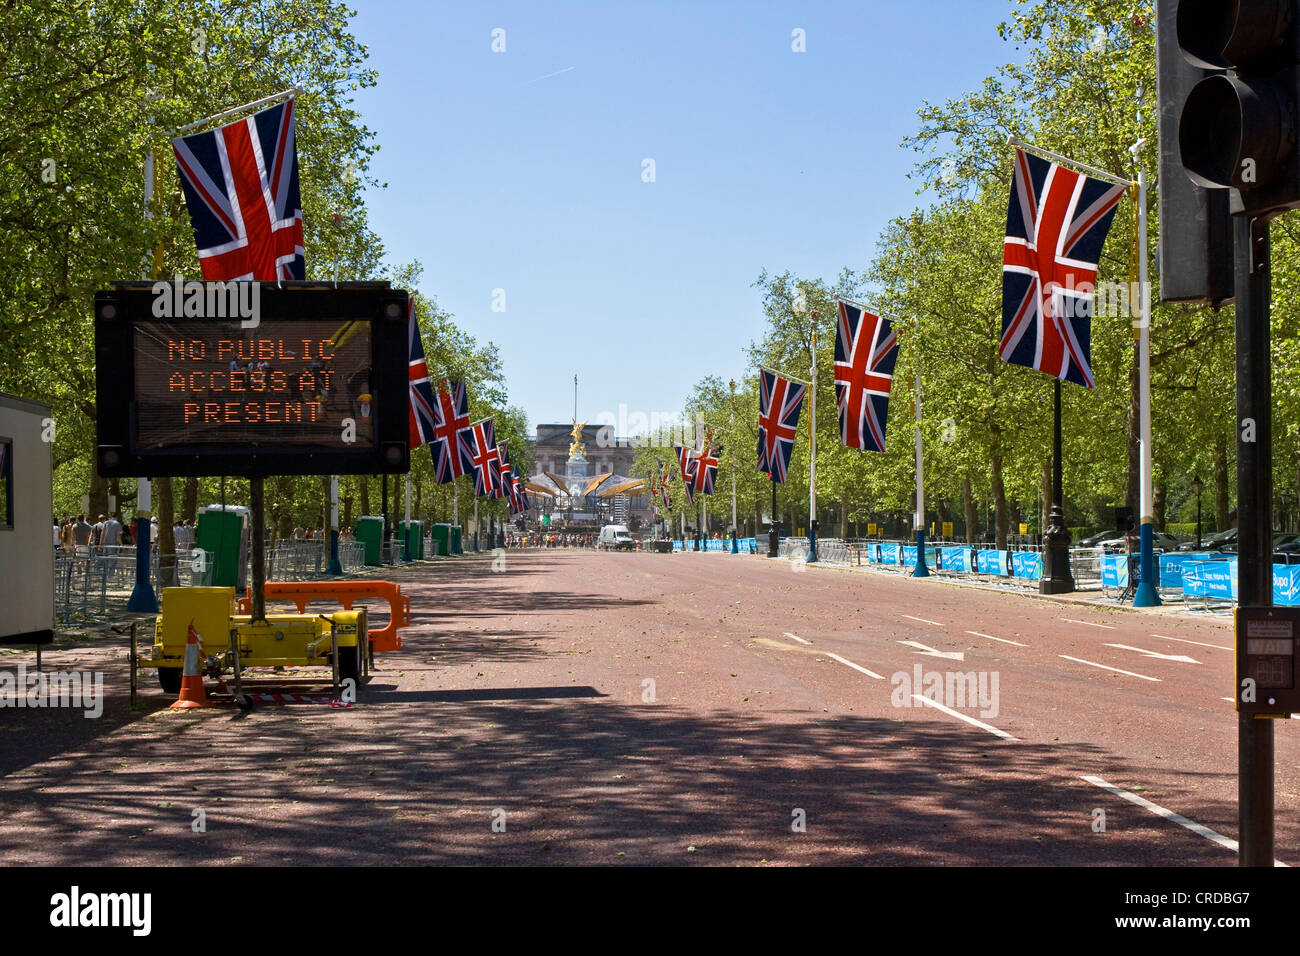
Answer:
x=303 y=593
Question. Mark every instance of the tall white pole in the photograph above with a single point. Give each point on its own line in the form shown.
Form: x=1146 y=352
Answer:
x=1146 y=594
x=812 y=447
x=142 y=599
x=919 y=570
x=735 y=531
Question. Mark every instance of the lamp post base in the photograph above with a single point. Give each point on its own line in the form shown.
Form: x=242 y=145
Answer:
x=920 y=570
x=1057 y=577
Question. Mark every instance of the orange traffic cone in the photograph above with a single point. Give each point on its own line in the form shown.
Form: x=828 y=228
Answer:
x=192 y=692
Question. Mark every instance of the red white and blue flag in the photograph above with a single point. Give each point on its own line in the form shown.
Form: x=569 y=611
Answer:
x=686 y=462
x=866 y=349
x=450 y=418
x=779 y=403
x=505 y=489
x=664 y=475
x=1057 y=222
x=478 y=448
x=706 y=466
x=241 y=188
x=421 y=392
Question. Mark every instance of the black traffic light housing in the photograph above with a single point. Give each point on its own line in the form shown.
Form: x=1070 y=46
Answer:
x=1238 y=128
x=1195 y=248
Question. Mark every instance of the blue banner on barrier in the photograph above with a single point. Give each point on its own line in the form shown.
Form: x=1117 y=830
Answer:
x=907 y=555
x=1114 y=570
x=889 y=553
x=1027 y=564
x=1286 y=585
x=1215 y=578
x=955 y=559
x=991 y=561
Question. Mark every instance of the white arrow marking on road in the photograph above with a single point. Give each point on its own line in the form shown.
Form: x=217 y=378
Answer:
x=797 y=638
x=1182 y=658
x=922 y=620
x=931 y=652
x=1183 y=640
x=1002 y=639
x=1107 y=667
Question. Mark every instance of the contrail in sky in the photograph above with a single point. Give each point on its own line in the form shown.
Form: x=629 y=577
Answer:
x=549 y=75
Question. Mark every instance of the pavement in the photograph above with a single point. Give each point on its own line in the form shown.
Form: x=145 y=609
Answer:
x=581 y=707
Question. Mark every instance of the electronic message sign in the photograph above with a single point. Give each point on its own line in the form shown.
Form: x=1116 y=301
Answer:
x=247 y=378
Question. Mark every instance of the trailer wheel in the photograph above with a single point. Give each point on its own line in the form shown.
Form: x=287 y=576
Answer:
x=169 y=678
x=349 y=664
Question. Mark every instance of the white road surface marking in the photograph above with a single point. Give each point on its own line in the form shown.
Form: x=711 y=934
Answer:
x=931 y=652
x=960 y=716
x=1181 y=658
x=1183 y=640
x=1211 y=835
x=992 y=638
x=1106 y=667
x=796 y=637
x=856 y=667
x=1070 y=620
x=922 y=620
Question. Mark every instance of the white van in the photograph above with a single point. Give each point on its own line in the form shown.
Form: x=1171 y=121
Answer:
x=616 y=537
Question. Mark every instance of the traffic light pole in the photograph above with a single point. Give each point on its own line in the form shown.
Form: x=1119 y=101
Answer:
x=1254 y=519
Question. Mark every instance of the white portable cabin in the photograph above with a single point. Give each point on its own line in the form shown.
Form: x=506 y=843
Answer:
x=26 y=522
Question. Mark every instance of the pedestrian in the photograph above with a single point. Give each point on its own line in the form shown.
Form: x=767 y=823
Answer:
x=82 y=533
x=110 y=536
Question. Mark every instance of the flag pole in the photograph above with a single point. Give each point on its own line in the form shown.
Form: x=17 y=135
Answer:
x=335 y=565
x=919 y=570
x=1146 y=594
x=812 y=448
x=406 y=534
x=273 y=98
x=1014 y=140
x=142 y=599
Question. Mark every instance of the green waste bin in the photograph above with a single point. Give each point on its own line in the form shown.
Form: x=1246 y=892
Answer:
x=455 y=540
x=412 y=534
x=441 y=537
x=224 y=536
x=370 y=534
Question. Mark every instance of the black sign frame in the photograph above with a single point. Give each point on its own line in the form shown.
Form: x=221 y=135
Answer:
x=119 y=310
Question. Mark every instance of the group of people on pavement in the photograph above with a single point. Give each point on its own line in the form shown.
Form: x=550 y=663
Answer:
x=77 y=536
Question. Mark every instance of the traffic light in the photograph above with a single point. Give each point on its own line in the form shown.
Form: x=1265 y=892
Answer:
x=1238 y=124
x=1194 y=254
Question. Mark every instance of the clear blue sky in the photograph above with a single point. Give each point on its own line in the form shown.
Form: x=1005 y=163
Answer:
x=505 y=173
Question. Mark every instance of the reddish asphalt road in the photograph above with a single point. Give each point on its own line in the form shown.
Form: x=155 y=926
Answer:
x=523 y=696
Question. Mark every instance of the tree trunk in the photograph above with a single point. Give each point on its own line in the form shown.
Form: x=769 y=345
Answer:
x=98 y=494
x=165 y=509
x=999 y=502
x=190 y=500
x=968 y=507
x=1221 y=484
x=844 y=515
x=364 y=481
x=1158 y=506
x=1132 y=492
x=1045 y=497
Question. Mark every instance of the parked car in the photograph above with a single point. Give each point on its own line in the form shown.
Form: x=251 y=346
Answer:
x=1217 y=541
x=1098 y=540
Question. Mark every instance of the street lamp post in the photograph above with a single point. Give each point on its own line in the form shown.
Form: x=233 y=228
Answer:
x=812 y=446
x=735 y=547
x=1196 y=487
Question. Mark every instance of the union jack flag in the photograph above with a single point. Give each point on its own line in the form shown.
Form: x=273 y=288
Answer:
x=421 y=392
x=450 y=418
x=478 y=447
x=706 y=467
x=663 y=483
x=779 y=403
x=686 y=462
x=866 y=348
x=241 y=188
x=505 y=487
x=1057 y=222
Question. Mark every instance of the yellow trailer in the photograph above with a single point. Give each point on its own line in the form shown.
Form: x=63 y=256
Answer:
x=231 y=643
